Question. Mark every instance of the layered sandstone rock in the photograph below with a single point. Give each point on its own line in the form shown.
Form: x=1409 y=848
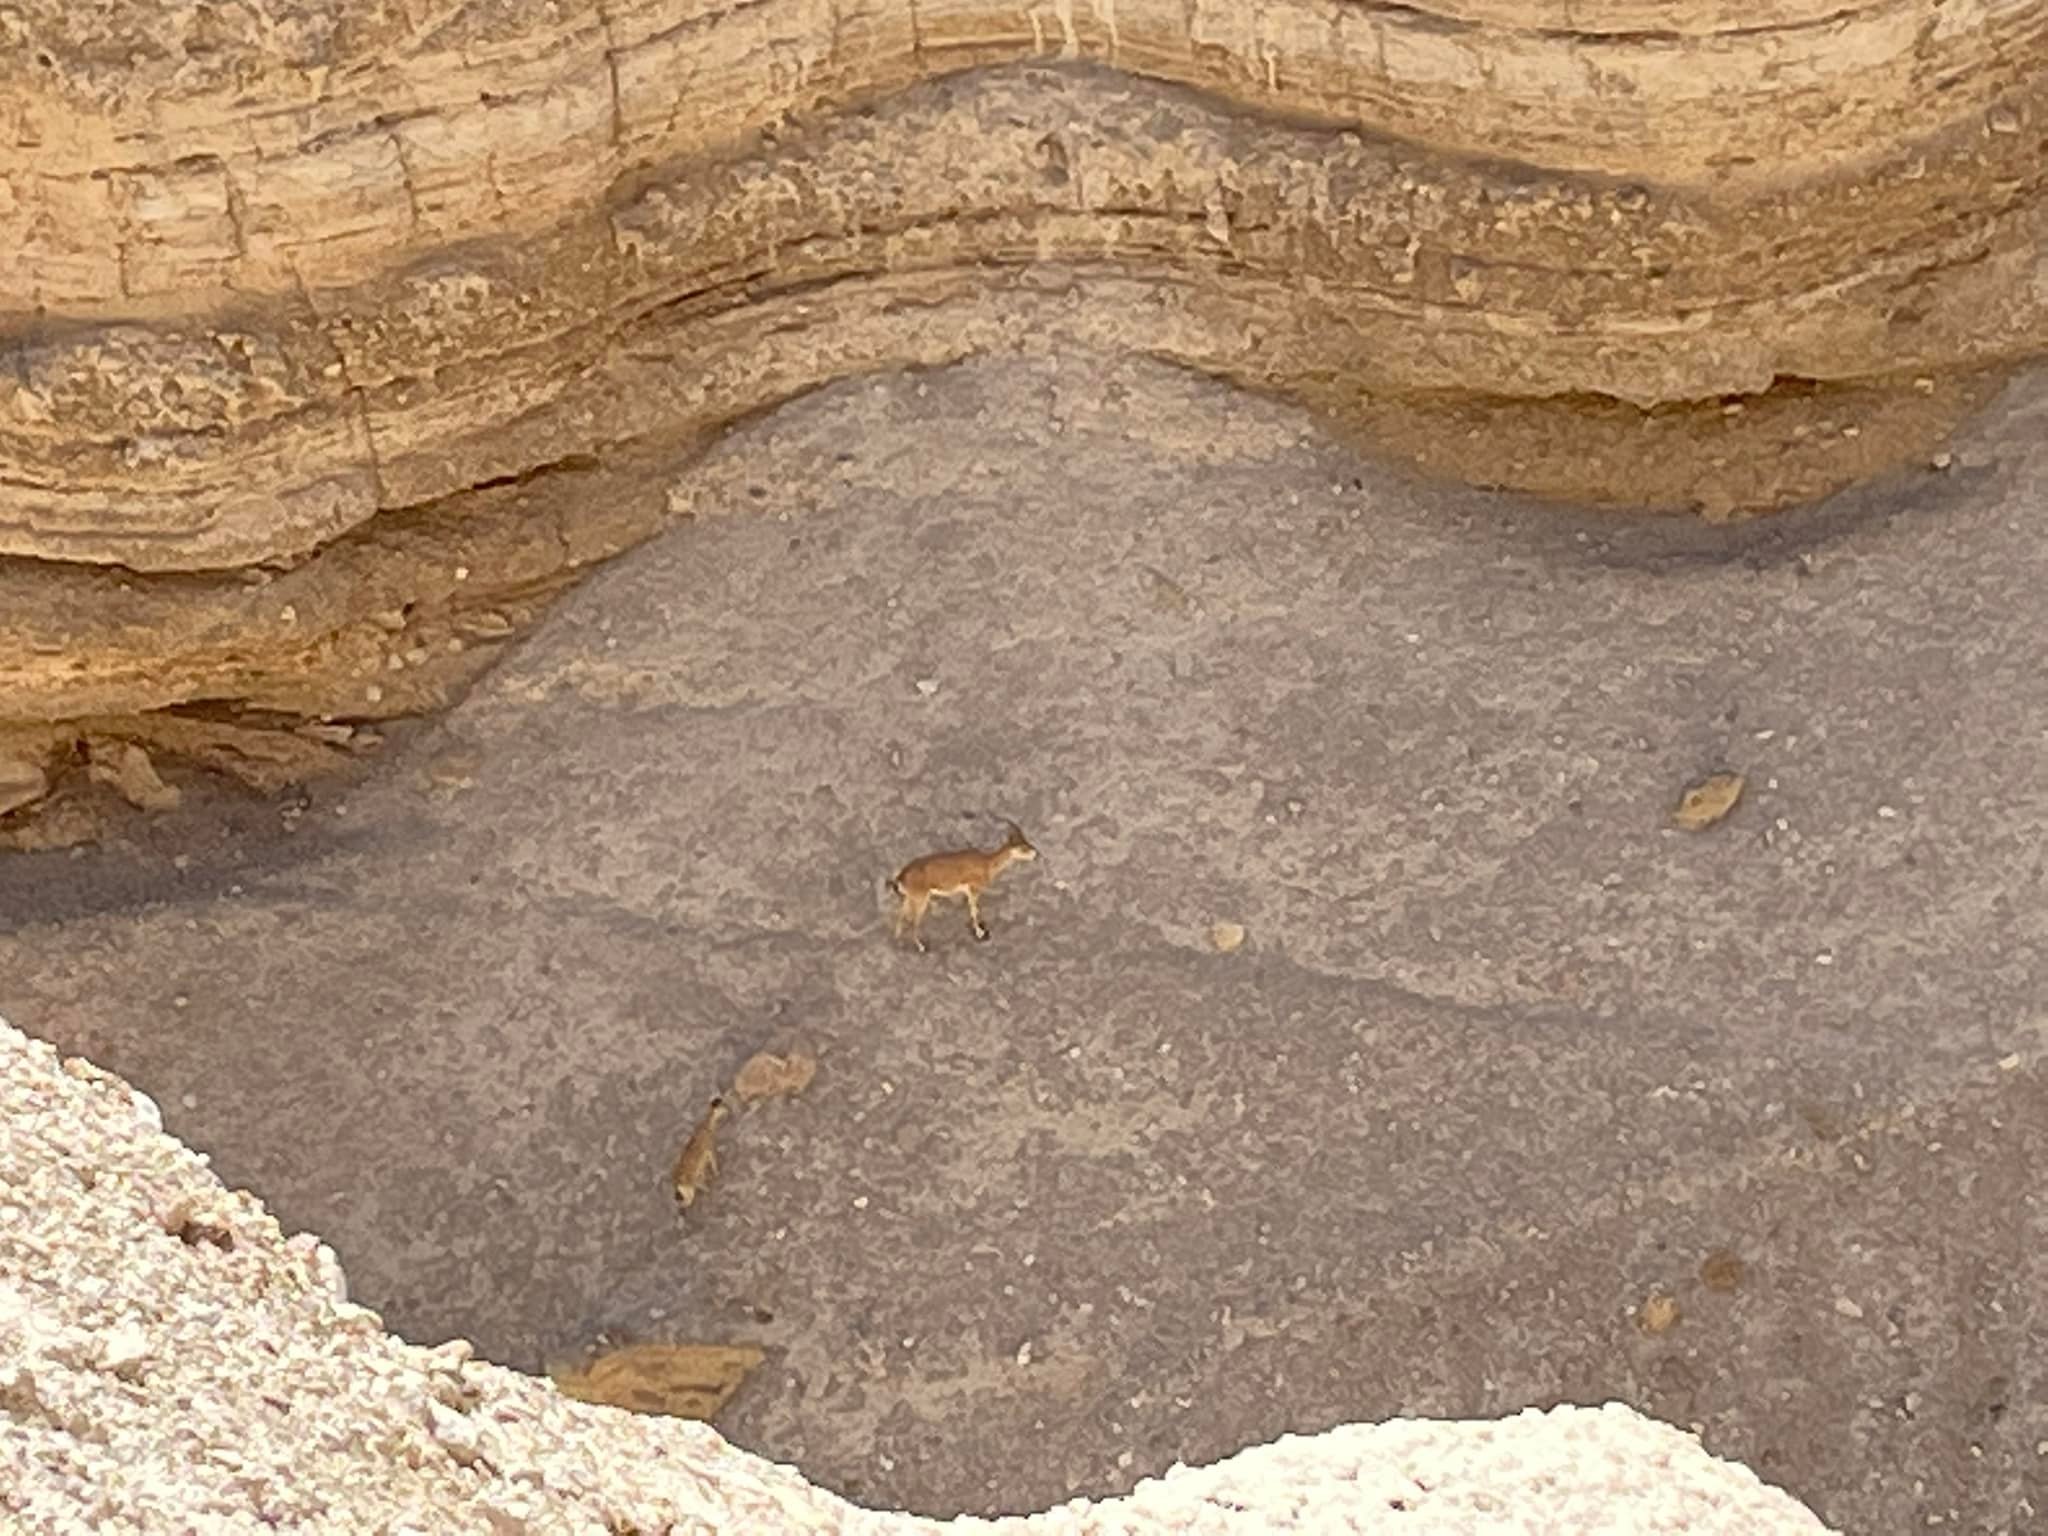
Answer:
x=340 y=291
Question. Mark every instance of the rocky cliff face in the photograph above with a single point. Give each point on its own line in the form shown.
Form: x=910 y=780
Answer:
x=335 y=332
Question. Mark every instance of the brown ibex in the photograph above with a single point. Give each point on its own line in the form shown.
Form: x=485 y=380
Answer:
x=960 y=872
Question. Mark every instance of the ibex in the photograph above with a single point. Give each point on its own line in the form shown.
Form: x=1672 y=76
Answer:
x=962 y=872
x=699 y=1159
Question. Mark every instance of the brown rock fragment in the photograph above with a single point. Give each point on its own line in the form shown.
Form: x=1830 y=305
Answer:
x=685 y=1381
x=1659 y=1313
x=768 y=1076
x=127 y=767
x=22 y=782
x=1721 y=1270
x=1708 y=801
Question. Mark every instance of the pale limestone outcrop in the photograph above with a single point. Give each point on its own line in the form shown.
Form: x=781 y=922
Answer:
x=302 y=285
x=169 y=1359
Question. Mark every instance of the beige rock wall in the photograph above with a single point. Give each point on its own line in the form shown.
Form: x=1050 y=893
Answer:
x=282 y=285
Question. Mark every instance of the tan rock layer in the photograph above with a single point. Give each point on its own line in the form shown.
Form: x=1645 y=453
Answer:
x=161 y=147
x=1291 y=258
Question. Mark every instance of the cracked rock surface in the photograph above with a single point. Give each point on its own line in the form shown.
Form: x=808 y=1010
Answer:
x=1498 y=1058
